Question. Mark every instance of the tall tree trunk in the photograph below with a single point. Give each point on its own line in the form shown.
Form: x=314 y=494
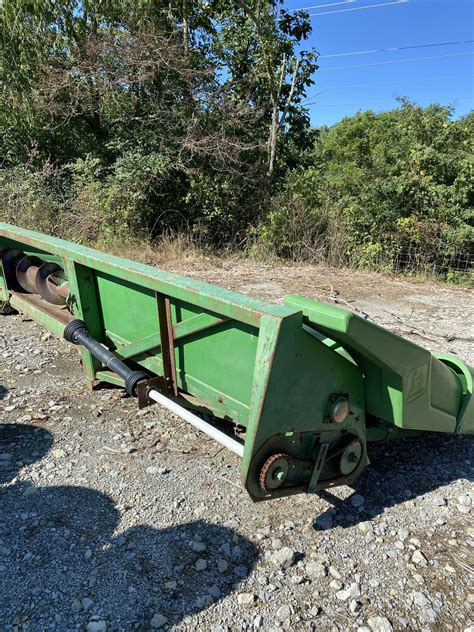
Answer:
x=93 y=91
x=272 y=139
x=278 y=121
x=185 y=26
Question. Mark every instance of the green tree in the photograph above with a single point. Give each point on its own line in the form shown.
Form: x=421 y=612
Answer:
x=207 y=91
x=390 y=189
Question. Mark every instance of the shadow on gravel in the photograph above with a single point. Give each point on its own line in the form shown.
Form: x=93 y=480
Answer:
x=400 y=471
x=3 y=391
x=65 y=561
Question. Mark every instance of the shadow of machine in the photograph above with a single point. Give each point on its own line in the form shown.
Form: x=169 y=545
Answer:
x=61 y=544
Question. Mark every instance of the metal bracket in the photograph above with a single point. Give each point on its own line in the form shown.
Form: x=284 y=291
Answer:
x=167 y=344
x=144 y=387
x=312 y=485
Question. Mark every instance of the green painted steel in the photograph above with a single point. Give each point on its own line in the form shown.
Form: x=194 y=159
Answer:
x=404 y=384
x=310 y=383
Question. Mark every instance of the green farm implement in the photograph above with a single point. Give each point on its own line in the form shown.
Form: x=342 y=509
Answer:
x=308 y=385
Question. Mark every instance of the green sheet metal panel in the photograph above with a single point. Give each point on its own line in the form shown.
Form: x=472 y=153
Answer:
x=220 y=360
x=295 y=377
x=215 y=364
x=128 y=310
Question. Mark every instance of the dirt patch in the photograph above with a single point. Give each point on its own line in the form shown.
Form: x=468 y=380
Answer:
x=436 y=316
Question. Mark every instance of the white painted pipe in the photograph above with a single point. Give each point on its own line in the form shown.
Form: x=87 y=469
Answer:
x=198 y=423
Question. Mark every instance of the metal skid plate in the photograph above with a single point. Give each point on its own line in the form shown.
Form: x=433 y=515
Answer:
x=144 y=387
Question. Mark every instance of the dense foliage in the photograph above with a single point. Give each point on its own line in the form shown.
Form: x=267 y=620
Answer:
x=389 y=189
x=124 y=118
x=150 y=114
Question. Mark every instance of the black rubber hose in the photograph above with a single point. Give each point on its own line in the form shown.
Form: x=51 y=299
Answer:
x=77 y=333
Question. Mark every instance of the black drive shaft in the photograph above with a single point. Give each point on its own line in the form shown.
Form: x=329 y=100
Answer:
x=77 y=333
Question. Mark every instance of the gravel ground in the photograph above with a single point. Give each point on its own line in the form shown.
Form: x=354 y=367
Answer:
x=113 y=519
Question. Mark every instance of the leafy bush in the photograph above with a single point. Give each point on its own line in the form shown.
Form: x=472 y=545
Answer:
x=112 y=202
x=391 y=190
x=31 y=198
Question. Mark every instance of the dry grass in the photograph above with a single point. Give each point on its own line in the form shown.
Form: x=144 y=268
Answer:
x=168 y=250
x=187 y=253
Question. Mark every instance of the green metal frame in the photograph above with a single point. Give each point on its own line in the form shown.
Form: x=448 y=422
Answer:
x=276 y=370
x=404 y=384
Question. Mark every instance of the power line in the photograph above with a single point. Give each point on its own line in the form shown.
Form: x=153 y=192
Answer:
x=321 y=6
x=367 y=6
x=433 y=99
x=396 y=61
x=386 y=83
x=394 y=49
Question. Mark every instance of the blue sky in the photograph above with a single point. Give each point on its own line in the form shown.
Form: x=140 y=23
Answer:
x=401 y=23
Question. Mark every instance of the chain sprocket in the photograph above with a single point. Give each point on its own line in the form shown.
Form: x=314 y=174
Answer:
x=263 y=481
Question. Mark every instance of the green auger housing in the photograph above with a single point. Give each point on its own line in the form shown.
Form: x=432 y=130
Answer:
x=307 y=385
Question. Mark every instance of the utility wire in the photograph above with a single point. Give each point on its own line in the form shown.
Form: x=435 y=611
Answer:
x=396 y=61
x=433 y=99
x=322 y=6
x=394 y=49
x=367 y=6
x=385 y=83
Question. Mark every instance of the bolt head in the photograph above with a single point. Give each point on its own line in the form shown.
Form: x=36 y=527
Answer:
x=279 y=474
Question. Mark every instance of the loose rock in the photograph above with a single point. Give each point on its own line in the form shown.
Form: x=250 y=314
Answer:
x=158 y=621
x=246 y=598
x=284 y=558
x=380 y=624
x=97 y=626
x=419 y=559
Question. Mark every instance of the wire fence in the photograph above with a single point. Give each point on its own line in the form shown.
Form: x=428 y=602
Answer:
x=413 y=259
x=456 y=267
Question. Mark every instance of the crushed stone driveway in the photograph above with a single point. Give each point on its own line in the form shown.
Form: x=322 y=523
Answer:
x=114 y=519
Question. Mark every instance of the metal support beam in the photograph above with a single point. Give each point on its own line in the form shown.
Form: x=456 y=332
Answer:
x=167 y=344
